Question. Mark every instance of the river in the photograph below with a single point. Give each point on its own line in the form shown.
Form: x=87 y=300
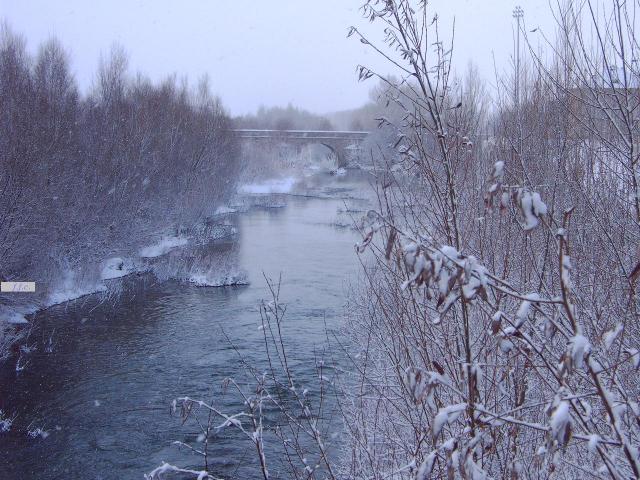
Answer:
x=104 y=368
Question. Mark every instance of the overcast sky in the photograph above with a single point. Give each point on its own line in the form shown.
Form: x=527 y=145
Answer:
x=258 y=52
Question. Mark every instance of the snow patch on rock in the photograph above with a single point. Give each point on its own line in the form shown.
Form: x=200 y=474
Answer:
x=116 y=267
x=162 y=247
x=281 y=185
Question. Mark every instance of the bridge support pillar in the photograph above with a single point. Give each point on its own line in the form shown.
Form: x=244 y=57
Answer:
x=340 y=152
x=341 y=157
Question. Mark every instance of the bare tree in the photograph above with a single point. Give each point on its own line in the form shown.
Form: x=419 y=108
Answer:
x=86 y=179
x=495 y=333
x=495 y=338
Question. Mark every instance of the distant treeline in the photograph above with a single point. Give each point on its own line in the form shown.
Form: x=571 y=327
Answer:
x=279 y=118
x=83 y=177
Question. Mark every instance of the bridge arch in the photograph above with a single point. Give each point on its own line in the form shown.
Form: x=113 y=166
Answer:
x=339 y=155
x=336 y=141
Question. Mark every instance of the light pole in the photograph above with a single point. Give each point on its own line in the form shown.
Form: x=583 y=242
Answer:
x=518 y=13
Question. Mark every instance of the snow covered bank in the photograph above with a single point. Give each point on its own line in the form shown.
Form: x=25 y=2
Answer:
x=224 y=210
x=13 y=317
x=281 y=185
x=202 y=263
x=71 y=288
x=162 y=247
x=117 y=267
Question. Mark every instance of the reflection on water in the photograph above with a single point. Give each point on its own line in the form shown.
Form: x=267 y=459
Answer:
x=102 y=394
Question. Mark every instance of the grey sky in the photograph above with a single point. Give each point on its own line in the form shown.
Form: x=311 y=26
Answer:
x=257 y=52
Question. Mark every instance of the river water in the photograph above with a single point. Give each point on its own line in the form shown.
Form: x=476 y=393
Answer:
x=102 y=372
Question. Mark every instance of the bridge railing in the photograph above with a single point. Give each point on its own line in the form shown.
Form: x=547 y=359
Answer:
x=300 y=134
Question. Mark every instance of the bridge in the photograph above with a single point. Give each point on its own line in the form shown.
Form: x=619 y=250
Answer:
x=338 y=142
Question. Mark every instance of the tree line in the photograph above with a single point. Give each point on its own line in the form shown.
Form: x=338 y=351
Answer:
x=284 y=118
x=87 y=176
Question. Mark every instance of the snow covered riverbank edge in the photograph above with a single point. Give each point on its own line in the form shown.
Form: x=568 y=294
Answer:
x=166 y=259
x=184 y=255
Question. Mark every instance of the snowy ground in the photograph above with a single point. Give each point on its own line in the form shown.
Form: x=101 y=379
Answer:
x=281 y=185
x=164 y=246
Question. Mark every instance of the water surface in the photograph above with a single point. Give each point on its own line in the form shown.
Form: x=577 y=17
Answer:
x=105 y=369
